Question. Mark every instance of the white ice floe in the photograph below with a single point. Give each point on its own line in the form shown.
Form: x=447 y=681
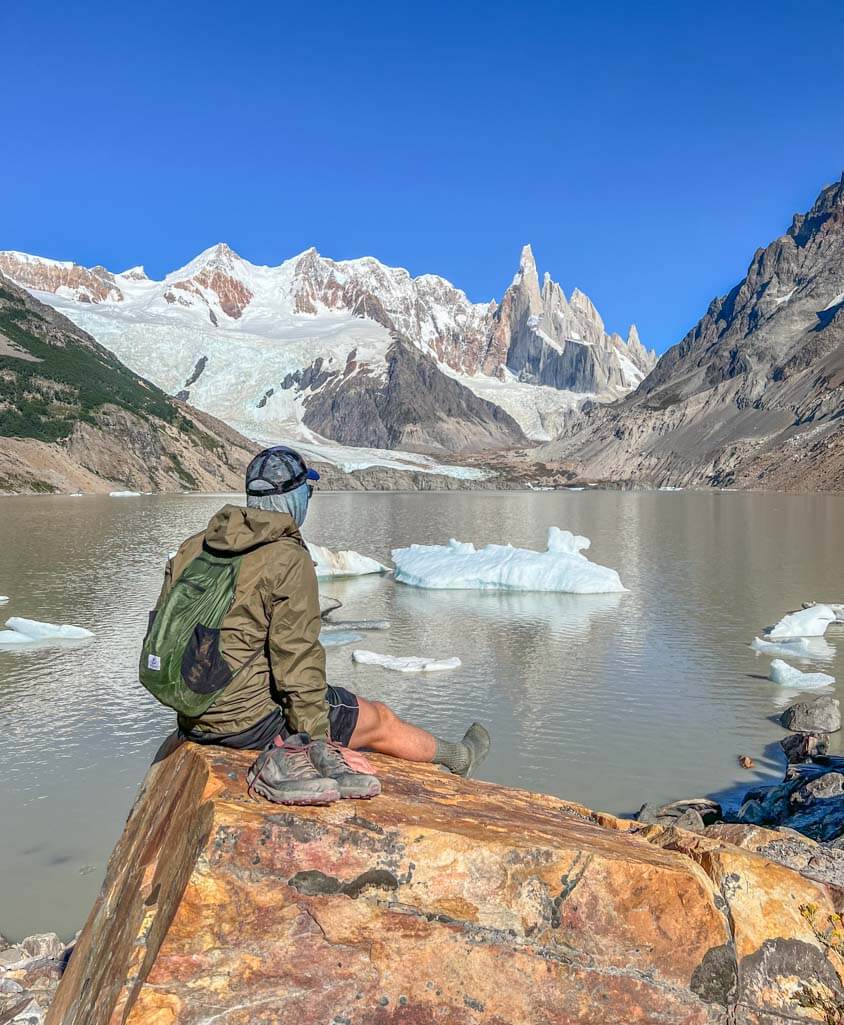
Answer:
x=811 y=622
x=405 y=664
x=786 y=675
x=837 y=608
x=29 y=631
x=561 y=567
x=342 y=564
x=815 y=648
x=4 y=599
x=124 y=494
x=328 y=605
x=329 y=626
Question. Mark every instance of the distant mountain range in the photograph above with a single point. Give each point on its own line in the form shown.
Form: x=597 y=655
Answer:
x=354 y=353
x=350 y=351
x=753 y=396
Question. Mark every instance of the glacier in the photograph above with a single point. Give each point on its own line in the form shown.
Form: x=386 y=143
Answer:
x=30 y=631
x=404 y=663
x=562 y=567
x=786 y=675
x=811 y=622
x=342 y=564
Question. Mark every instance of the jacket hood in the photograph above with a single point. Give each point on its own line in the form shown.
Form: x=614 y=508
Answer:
x=236 y=529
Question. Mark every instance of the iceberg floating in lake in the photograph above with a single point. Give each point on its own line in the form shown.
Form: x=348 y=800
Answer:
x=405 y=664
x=837 y=608
x=815 y=648
x=561 y=567
x=4 y=599
x=355 y=624
x=786 y=675
x=811 y=622
x=342 y=564
x=29 y=631
x=124 y=494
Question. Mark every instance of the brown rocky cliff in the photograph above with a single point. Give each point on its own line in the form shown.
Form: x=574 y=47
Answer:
x=443 y=901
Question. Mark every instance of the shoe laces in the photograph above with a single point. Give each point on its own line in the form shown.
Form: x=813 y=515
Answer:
x=299 y=762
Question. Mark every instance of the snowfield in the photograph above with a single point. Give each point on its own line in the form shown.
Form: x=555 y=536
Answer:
x=562 y=567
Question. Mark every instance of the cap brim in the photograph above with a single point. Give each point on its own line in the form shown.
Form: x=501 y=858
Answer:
x=313 y=475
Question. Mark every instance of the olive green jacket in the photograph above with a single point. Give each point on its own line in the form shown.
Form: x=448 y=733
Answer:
x=273 y=624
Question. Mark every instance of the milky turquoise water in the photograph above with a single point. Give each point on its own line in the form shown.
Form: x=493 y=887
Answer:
x=608 y=700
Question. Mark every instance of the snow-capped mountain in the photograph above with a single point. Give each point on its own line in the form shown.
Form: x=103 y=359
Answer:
x=353 y=350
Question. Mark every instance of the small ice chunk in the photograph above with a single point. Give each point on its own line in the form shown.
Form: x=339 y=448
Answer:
x=355 y=624
x=562 y=567
x=405 y=664
x=786 y=675
x=342 y=564
x=123 y=494
x=337 y=638
x=4 y=598
x=28 y=630
x=328 y=605
x=811 y=622
x=800 y=647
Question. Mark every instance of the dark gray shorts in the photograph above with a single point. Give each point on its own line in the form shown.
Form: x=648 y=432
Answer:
x=343 y=711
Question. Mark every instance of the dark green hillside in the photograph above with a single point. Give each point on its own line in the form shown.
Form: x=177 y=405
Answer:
x=51 y=377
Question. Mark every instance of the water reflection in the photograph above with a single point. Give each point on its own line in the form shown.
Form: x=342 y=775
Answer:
x=605 y=699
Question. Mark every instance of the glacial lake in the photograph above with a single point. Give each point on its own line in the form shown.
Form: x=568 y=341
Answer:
x=610 y=700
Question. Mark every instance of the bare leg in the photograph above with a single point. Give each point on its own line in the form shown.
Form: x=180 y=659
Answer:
x=379 y=729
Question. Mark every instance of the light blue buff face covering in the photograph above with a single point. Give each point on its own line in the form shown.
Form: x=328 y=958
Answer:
x=295 y=503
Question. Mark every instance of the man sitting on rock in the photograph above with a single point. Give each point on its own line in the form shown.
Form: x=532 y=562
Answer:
x=264 y=660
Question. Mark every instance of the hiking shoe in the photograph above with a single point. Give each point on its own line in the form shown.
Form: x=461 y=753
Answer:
x=284 y=774
x=344 y=767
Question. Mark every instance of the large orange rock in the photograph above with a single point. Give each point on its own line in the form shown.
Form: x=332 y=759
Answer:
x=441 y=901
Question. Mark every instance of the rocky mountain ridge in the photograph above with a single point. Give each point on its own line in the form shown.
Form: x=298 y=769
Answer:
x=753 y=396
x=242 y=341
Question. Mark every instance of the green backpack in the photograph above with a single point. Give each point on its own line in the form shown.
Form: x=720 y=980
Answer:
x=181 y=663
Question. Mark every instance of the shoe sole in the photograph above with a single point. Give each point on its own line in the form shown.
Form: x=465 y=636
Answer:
x=318 y=800
x=361 y=797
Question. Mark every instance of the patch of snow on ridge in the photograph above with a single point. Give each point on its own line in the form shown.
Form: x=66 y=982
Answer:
x=562 y=567
x=538 y=409
x=349 y=458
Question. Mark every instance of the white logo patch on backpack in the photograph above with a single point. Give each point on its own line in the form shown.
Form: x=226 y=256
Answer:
x=153 y=662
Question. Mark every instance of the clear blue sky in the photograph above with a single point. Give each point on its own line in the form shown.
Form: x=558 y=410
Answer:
x=644 y=149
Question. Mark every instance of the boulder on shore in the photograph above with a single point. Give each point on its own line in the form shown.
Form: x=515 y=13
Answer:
x=817 y=715
x=442 y=901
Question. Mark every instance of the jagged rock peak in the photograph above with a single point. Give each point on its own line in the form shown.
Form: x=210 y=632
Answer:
x=135 y=274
